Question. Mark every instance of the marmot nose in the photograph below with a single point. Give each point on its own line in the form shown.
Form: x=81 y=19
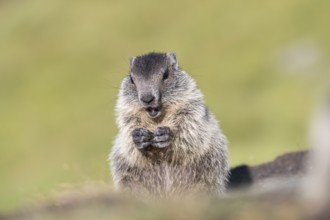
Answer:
x=147 y=99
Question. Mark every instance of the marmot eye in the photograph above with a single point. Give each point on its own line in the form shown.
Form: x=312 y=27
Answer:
x=165 y=76
x=131 y=78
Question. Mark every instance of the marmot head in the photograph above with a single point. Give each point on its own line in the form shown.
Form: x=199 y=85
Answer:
x=152 y=81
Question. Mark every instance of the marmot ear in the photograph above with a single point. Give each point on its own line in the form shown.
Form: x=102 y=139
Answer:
x=172 y=58
x=132 y=62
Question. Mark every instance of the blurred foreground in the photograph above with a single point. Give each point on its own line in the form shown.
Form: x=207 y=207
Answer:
x=117 y=207
x=273 y=190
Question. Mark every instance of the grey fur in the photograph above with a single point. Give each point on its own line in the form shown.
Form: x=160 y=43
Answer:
x=168 y=144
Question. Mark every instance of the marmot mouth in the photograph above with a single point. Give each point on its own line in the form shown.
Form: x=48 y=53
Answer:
x=153 y=112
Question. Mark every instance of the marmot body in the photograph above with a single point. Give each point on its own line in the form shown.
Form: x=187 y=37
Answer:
x=168 y=144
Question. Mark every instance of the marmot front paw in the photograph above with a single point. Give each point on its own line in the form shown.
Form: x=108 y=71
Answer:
x=142 y=138
x=161 y=137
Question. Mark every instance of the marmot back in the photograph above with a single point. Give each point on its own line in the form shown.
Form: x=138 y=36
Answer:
x=169 y=144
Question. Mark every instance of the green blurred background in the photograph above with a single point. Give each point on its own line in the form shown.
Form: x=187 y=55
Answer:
x=262 y=66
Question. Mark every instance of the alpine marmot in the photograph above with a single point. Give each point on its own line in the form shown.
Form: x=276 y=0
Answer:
x=169 y=144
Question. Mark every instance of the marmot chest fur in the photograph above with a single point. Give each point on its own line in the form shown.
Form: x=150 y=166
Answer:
x=169 y=143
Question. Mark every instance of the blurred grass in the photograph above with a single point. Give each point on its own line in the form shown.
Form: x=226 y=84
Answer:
x=61 y=63
x=105 y=205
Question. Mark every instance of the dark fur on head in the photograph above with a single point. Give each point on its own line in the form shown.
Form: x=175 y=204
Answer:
x=153 y=63
x=148 y=63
